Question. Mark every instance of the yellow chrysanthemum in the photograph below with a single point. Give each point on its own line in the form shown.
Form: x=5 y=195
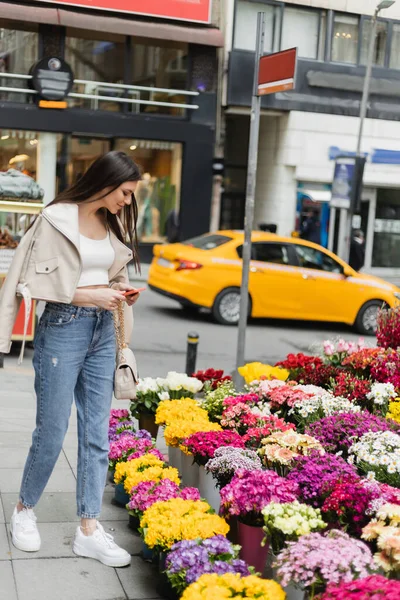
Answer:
x=144 y=468
x=166 y=523
x=231 y=585
x=169 y=411
x=175 y=433
x=394 y=410
x=256 y=371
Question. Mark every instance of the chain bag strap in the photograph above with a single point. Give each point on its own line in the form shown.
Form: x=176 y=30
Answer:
x=126 y=376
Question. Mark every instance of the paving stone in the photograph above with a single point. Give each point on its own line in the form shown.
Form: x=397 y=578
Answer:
x=10 y=441
x=14 y=458
x=2 y=517
x=61 y=480
x=66 y=579
x=17 y=424
x=7 y=587
x=140 y=580
x=5 y=553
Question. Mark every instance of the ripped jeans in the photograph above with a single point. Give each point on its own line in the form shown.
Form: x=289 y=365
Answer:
x=74 y=357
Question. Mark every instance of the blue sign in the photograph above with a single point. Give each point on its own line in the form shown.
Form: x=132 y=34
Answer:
x=343 y=182
x=376 y=156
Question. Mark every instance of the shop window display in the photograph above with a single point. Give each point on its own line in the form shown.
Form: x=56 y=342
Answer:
x=386 y=250
x=18 y=52
x=158 y=193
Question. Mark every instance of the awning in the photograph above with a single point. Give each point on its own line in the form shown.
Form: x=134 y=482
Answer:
x=156 y=29
x=316 y=195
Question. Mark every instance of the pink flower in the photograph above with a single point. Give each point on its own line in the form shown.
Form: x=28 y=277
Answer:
x=329 y=348
x=342 y=346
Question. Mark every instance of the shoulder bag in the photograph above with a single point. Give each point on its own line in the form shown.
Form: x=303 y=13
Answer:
x=126 y=375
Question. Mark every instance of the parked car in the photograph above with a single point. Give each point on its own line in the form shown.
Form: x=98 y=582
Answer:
x=289 y=279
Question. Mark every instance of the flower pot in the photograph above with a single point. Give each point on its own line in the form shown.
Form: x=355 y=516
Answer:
x=148 y=422
x=148 y=554
x=190 y=471
x=111 y=473
x=120 y=496
x=252 y=552
x=270 y=572
x=164 y=588
x=175 y=458
x=134 y=522
x=208 y=489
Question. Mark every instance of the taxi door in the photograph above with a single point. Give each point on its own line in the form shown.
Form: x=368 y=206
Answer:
x=273 y=281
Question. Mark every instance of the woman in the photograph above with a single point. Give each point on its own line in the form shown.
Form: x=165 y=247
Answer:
x=74 y=258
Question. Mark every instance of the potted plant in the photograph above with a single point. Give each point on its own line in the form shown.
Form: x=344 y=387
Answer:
x=144 y=406
x=231 y=585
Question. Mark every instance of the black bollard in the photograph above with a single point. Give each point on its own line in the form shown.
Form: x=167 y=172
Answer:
x=191 y=352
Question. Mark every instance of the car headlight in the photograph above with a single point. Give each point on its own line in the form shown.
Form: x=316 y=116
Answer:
x=396 y=295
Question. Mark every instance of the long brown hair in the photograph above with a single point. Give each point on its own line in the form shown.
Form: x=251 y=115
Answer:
x=109 y=171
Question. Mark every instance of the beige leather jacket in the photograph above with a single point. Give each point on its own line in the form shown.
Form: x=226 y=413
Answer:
x=47 y=266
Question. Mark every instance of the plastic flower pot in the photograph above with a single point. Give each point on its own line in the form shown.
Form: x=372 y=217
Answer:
x=164 y=588
x=252 y=552
x=175 y=458
x=148 y=554
x=190 y=471
x=120 y=496
x=111 y=473
x=208 y=489
x=134 y=522
x=148 y=422
x=270 y=572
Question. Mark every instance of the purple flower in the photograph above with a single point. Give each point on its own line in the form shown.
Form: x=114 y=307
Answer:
x=228 y=460
x=250 y=491
x=338 y=432
x=146 y=493
x=190 y=559
x=317 y=474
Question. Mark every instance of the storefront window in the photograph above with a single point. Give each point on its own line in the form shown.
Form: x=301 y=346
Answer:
x=386 y=249
x=96 y=60
x=301 y=28
x=345 y=39
x=18 y=151
x=380 y=43
x=395 y=49
x=246 y=25
x=158 y=193
x=163 y=67
x=18 y=52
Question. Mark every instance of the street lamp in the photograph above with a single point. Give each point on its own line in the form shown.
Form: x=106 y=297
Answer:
x=367 y=81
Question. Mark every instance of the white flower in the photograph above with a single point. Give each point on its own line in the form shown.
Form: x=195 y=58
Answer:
x=381 y=393
x=146 y=385
x=163 y=395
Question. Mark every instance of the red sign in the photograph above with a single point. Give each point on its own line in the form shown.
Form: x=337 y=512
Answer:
x=277 y=72
x=198 y=11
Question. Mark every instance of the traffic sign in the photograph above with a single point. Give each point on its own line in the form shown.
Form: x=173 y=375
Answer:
x=277 y=72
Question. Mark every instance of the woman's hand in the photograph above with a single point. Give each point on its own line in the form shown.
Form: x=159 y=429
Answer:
x=106 y=298
x=123 y=287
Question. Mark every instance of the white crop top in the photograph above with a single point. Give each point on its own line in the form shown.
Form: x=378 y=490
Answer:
x=97 y=257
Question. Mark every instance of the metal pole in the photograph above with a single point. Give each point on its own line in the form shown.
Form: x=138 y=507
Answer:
x=191 y=352
x=250 y=196
x=363 y=114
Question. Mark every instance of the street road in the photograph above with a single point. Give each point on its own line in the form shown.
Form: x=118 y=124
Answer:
x=161 y=328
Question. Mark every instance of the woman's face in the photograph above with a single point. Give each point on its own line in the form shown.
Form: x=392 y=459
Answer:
x=122 y=196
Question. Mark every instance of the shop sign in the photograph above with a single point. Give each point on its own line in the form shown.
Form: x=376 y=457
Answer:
x=52 y=78
x=387 y=226
x=277 y=72
x=342 y=182
x=6 y=256
x=198 y=11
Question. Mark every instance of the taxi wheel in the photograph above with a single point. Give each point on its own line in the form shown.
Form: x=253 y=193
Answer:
x=366 y=322
x=226 y=307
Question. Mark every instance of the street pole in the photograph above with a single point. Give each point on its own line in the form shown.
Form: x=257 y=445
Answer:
x=363 y=113
x=250 y=197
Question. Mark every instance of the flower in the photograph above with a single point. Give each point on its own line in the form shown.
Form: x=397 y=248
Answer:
x=117 y=415
x=378 y=452
x=374 y=587
x=231 y=585
x=267 y=426
x=180 y=385
x=394 y=411
x=212 y=378
x=165 y=523
x=280 y=449
x=256 y=370
x=144 y=468
x=380 y=396
x=214 y=399
x=128 y=447
x=350 y=386
x=146 y=493
x=317 y=475
x=384 y=533
x=339 y=431
x=388 y=331
x=308 y=369
x=250 y=491
x=386 y=366
x=204 y=444
x=120 y=428
x=227 y=461
x=190 y=559
x=318 y=407
x=289 y=521
x=316 y=560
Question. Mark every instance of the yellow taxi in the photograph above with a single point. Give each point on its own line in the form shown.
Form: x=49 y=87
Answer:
x=289 y=279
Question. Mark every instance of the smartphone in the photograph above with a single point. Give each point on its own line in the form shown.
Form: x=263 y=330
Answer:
x=135 y=291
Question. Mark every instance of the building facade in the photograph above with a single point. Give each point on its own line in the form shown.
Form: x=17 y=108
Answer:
x=303 y=131
x=143 y=83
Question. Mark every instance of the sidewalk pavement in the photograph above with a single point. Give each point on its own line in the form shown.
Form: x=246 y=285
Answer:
x=54 y=571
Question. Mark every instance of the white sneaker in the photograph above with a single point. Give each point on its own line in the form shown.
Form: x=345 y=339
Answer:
x=101 y=546
x=24 y=532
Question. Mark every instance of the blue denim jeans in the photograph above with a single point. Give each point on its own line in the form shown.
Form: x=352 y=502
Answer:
x=74 y=357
